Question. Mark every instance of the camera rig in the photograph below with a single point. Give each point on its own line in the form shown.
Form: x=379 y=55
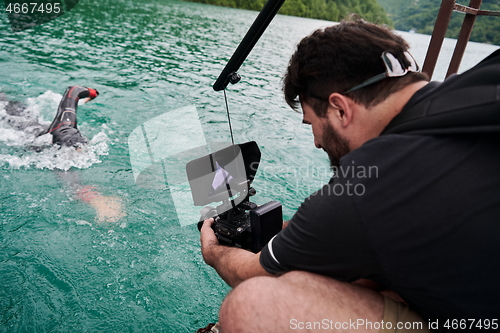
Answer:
x=225 y=176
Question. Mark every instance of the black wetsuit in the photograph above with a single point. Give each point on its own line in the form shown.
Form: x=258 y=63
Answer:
x=64 y=126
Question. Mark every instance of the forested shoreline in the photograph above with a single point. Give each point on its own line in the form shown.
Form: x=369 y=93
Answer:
x=420 y=16
x=408 y=15
x=330 y=10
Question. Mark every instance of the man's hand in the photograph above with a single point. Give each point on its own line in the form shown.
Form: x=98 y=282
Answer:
x=234 y=265
x=208 y=241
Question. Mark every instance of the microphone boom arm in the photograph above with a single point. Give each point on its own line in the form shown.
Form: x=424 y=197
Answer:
x=258 y=27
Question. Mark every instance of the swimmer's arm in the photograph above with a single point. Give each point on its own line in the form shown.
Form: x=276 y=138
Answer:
x=108 y=209
x=234 y=265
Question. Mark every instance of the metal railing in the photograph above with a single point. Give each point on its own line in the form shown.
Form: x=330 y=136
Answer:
x=440 y=27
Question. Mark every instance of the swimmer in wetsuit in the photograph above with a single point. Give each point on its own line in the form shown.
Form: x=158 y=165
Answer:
x=64 y=128
x=64 y=132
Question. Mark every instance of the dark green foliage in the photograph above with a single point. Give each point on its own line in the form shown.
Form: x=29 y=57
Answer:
x=330 y=10
x=406 y=15
x=243 y=4
x=420 y=16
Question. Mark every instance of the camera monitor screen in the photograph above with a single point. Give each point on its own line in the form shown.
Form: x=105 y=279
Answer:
x=222 y=175
x=221 y=181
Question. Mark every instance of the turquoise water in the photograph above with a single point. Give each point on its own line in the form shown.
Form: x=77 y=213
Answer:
x=64 y=267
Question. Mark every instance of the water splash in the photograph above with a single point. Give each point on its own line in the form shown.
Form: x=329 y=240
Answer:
x=21 y=146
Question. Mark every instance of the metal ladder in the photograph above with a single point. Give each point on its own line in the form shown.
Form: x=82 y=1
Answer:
x=440 y=27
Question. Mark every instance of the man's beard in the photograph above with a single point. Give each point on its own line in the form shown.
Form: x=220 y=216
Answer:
x=335 y=145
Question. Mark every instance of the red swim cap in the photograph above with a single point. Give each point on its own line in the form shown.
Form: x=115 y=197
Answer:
x=93 y=93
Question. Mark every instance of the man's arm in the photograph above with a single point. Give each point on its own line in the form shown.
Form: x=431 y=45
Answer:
x=234 y=265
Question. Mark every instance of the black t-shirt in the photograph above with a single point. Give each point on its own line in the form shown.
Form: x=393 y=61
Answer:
x=418 y=213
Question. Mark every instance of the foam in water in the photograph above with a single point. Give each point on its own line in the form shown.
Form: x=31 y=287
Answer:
x=22 y=147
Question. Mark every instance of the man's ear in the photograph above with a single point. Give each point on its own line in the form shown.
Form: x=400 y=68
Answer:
x=340 y=108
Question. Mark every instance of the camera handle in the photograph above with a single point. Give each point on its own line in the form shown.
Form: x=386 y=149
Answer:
x=208 y=212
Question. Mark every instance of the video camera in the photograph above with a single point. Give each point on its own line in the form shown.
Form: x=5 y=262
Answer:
x=225 y=176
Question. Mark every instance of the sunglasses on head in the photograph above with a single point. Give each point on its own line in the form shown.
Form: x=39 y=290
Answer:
x=393 y=68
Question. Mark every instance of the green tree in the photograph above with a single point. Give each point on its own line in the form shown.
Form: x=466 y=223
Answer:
x=331 y=10
x=420 y=16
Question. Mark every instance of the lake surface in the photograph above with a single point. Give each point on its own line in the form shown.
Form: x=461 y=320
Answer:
x=63 y=267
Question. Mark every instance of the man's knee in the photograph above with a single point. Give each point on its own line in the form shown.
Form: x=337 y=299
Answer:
x=248 y=301
x=308 y=296
x=302 y=277
x=246 y=294
x=257 y=293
